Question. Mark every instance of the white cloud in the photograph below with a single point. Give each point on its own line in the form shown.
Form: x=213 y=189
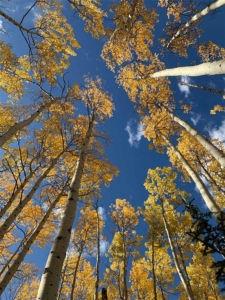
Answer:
x=1 y=26
x=184 y=88
x=195 y=118
x=135 y=132
x=217 y=132
x=101 y=211
x=104 y=245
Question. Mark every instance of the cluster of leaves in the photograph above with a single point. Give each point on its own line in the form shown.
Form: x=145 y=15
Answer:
x=211 y=236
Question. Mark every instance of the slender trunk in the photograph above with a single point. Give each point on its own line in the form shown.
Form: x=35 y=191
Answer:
x=175 y=258
x=15 y=194
x=209 y=68
x=17 y=262
x=210 y=202
x=6 y=266
x=62 y=280
x=153 y=271
x=213 y=150
x=97 y=258
x=196 y=17
x=14 y=214
x=184 y=268
x=51 y=276
x=104 y=294
x=125 y=272
x=14 y=22
x=210 y=179
x=18 y=126
x=162 y=293
x=221 y=92
x=75 y=276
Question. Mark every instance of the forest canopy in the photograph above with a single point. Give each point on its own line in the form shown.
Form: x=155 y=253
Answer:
x=85 y=212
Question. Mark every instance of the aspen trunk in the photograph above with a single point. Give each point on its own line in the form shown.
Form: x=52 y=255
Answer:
x=104 y=294
x=202 y=13
x=14 y=267
x=215 y=91
x=184 y=268
x=213 y=150
x=176 y=261
x=51 y=276
x=6 y=266
x=125 y=273
x=14 y=22
x=75 y=276
x=153 y=270
x=207 y=197
x=14 y=214
x=18 y=126
x=62 y=279
x=209 y=68
x=15 y=194
x=97 y=258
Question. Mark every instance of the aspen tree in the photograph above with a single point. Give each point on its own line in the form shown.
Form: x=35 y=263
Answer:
x=123 y=246
x=100 y=108
x=213 y=6
x=163 y=197
x=26 y=246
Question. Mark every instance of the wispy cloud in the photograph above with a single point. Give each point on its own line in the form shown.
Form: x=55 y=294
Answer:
x=135 y=132
x=1 y=26
x=217 y=132
x=195 y=118
x=184 y=88
x=101 y=211
x=104 y=245
x=212 y=85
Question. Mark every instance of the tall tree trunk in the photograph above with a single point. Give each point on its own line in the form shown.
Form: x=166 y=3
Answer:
x=213 y=150
x=16 y=193
x=209 y=68
x=51 y=275
x=14 y=214
x=21 y=27
x=17 y=262
x=202 y=13
x=153 y=269
x=221 y=92
x=209 y=201
x=98 y=257
x=175 y=258
x=62 y=279
x=75 y=275
x=104 y=294
x=184 y=268
x=6 y=265
x=125 y=273
x=18 y=126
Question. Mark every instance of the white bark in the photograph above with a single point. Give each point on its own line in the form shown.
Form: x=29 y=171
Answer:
x=209 y=68
x=213 y=150
x=20 y=257
x=14 y=214
x=207 y=197
x=18 y=126
x=51 y=276
x=202 y=13
x=13 y=197
x=176 y=261
x=98 y=257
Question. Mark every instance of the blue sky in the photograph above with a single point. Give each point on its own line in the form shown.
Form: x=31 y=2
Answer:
x=128 y=149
